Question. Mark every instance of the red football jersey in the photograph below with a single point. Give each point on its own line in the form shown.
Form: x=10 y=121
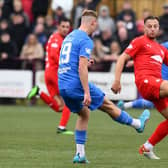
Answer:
x=148 y=56
x=53 y=51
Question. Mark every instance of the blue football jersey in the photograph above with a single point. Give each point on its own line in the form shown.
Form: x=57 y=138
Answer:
x=165 y=67
x=75 y=45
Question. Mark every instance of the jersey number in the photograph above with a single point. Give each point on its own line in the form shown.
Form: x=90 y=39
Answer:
x=65 y=53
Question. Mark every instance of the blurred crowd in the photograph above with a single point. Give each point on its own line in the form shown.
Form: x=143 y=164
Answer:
x=25 y=26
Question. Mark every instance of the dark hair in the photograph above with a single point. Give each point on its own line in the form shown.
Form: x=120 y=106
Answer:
x=63 y=19
x=151 y=18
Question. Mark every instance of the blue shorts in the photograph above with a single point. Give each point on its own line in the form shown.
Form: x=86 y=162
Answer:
x=74 y=98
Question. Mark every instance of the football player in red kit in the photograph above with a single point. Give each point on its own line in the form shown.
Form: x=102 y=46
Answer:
x=54 y=100
x=148 y=57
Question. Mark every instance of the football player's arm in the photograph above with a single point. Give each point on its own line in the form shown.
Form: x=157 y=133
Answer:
x=116 y=86
x=83 y=74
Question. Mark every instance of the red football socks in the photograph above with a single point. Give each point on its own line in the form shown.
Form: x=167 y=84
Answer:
x=160 y=132
x=65 y=116
x=53 y=104
x=50 y=101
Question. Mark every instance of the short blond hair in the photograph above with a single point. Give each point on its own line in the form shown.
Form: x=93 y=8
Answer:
x=89 y=13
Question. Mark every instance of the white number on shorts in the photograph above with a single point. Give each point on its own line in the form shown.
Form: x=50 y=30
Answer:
x=65 y=53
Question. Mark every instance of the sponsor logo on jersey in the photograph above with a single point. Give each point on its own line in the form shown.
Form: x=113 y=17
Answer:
x=157 y=58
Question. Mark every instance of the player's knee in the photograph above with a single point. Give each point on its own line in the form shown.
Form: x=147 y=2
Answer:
x=84 y=113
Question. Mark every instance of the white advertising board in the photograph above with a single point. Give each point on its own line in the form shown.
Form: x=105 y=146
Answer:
x=40 y=81
x=104 y=82
x=15 y=83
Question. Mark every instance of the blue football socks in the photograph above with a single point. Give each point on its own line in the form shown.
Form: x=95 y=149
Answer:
x=80 y=136
x=124 y=118
x=142 y=103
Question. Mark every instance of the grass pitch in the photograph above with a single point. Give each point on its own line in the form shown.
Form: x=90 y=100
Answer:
x=28 y=139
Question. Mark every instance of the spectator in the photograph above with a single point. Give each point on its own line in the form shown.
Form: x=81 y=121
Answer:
x=64 y=4
x=164 y=23
x=4 y=26
x=7 y=8
x=19 y=25
x=126 y=8
x=40 y=8
x=49 y=25
x=76 y=13
x=130 y=24
x=58 y=14
x=40 y=20
x=39 y=31
x=18 y=9
x=81 y=5
x=115 y=49
x=140 y=22
x=27 y=7
x=102 y=53
x=8 y=51
x=123 y=38
x=32 y=54
x=104 y=20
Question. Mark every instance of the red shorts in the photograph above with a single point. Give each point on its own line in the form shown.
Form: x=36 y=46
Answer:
x=51 y=80
x=149 y=88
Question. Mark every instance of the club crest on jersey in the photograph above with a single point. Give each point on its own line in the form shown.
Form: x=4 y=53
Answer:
x=157 y=58
x=88 y=50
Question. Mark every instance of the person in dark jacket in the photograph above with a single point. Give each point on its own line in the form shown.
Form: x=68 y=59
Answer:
x=40 y=7
x=8 y=51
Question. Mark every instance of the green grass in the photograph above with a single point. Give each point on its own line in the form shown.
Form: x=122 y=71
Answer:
x=28 y=139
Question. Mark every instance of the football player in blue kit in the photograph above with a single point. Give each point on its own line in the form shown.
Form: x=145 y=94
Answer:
x=142 y=103
x=79 y=95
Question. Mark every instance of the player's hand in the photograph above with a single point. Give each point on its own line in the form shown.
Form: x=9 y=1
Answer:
x=91 y=62
x=87 y=99
x=130 y=64
x=116 y=87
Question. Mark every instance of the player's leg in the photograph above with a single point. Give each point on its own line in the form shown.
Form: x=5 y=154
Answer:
x=138 y=103
x=142 y=103
x=61 y=129
x=160 y=132
x=123 y=117
x=164 y=89
x=162 y=129
x=58 y=105
x=54 y=101
x=100 y=101
x=73 y=98
x=52 y=86
x=64 y=118
x=81 y=135
x=35 y=91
